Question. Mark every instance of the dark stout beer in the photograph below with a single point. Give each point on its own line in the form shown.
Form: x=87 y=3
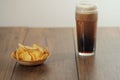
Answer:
x=86 y=24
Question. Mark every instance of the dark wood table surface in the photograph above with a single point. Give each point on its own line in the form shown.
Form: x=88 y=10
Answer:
x=64 y=62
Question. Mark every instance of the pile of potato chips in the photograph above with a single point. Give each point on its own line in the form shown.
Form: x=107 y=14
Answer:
x=34 y=53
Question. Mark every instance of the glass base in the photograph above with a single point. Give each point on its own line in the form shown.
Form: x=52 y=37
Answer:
x=86 y=54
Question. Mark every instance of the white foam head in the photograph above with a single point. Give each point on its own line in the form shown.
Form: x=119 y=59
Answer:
x=86 y=8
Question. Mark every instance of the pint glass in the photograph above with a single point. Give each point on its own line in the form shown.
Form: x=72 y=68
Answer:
x=86 y=26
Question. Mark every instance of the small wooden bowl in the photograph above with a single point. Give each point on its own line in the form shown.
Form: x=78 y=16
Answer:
x=27 y=63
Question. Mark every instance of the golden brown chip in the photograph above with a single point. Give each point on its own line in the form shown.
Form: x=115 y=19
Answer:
x=40 y=48
x=32 y=57
x=37 y=54
x=34 y=53
x=17 y=56
x=44 y=57
x=25 y=56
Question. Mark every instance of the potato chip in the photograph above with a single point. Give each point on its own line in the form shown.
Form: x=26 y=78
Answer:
x=37 y=54
x=25 y=56
x=34 y=53
x=17 y=56
x=32 y=57
x=44 y=57
x=40 y=48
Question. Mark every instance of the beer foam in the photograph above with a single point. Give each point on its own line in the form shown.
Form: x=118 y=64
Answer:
x=86 y=8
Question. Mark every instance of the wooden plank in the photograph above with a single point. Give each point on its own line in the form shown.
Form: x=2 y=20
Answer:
x=60 y=65
x=80 y=63
x=105 y=64
x=9 y=38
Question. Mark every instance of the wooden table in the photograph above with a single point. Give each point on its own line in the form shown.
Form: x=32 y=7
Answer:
x=64 y=62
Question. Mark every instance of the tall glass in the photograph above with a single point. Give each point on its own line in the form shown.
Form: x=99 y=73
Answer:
x=86 y=26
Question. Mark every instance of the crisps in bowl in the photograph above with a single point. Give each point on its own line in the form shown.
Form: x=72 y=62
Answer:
x=27 y=55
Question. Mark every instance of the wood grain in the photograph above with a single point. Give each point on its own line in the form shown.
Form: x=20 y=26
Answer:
x=9 y=38
x=105 y=64
x=64 y=62
x=60 y=65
